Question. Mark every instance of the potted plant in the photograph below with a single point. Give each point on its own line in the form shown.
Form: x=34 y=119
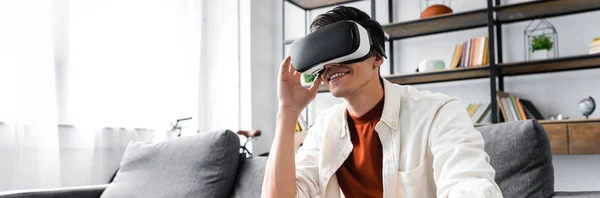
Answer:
x=308 y=79
x=540 y=47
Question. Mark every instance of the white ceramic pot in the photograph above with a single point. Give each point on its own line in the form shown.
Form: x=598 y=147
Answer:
x=540 y=55
x=431 y=65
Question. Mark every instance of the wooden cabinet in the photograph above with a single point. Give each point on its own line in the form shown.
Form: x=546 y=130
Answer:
x=584 y=138
x=559 y=139
x=573 y=136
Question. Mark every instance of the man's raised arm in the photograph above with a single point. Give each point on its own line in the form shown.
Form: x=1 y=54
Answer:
x=280 y=173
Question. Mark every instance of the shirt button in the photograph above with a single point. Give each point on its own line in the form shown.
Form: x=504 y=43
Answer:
x=343 y=154
x=393 y=124
x=324 y=178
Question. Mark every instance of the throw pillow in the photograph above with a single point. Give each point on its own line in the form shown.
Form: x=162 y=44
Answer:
x=520 y=153
x=202 y=165
x=250 y=177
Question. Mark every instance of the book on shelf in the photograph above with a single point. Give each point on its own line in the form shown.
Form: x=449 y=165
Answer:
x=530 y=110
x=515 y=108
x=301 y=124
x=595 y=50
x=594 y=47
x=456 y=57
x=478 y=111
x=595 y=42
x=464 y=55
x=471 y=53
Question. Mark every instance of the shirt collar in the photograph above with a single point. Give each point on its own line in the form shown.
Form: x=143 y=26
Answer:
x=391 y=107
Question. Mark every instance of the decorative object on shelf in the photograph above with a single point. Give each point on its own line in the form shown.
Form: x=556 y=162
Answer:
x=587 y=106
x=431 y=65
x=559 y=117
x=432 y=8
x=594 y=47
x=541 y=40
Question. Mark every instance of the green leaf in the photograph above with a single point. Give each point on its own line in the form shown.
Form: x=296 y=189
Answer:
x=541 y=42
x=309 y=78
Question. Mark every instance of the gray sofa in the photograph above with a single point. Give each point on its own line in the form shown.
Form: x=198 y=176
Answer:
x=519 y=151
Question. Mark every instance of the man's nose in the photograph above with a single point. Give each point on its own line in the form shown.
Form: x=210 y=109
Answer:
x=331 y=65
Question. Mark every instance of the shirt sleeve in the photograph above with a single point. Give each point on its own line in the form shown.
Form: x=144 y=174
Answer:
x=307 y=160
x=460 y=165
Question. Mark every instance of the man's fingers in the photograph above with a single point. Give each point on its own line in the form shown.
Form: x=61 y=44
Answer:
x=285 y=65
x=314 y=88
x=290 y=66
x=297 y=76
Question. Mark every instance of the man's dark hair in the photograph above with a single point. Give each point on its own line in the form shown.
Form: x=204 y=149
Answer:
x=341 y=13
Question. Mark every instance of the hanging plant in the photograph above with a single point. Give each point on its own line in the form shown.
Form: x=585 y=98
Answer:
x=309 y=78
x=541 y=42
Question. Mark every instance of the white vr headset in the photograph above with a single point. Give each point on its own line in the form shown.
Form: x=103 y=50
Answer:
x=341 y=42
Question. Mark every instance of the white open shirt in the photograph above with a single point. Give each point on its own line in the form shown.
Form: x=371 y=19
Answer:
x=430 y=149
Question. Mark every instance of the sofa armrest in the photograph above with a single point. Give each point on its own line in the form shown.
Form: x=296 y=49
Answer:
x=92 y=191
x=582 y=194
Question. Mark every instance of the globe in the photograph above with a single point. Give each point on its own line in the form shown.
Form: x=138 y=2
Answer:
x=587 y=106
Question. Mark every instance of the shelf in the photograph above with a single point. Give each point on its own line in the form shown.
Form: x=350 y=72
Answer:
x=478 y=18
x=439 y=24
x=431 y=77
x=545 y=122
x=551 y=65
x=314 y=4
x=544 y=8
x=568 y=121
x=440 y=76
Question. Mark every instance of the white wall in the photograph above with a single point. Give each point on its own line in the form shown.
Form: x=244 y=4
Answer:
x=219 y=105
x=265 y=49
x=552 y=93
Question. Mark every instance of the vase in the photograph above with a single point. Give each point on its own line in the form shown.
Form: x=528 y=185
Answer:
x=540 y=54
x=431 y=65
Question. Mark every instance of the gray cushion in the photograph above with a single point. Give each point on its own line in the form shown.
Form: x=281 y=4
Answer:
x=91 y=191
x=590 y=194
x=520 y=154
x=202 y=165
x=250 y=178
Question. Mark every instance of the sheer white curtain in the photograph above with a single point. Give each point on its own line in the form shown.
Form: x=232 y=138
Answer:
x=81 y=78
x=132 y=63
x=28 y=134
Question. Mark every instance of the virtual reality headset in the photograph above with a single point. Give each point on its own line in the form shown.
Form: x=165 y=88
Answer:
x=341 y=42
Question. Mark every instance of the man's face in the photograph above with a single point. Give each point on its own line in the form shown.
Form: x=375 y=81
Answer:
x=345 y=79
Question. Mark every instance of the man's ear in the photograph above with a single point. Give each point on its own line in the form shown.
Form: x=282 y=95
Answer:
x=377 y=61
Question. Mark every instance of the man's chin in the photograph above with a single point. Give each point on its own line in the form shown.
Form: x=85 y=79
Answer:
x=338 y=92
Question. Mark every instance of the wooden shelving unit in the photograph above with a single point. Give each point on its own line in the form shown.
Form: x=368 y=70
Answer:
x=551 y=65
x=568 y=121
x=573 y=136
x=315 y=4
x=492 y=17
x=506 y=69
x=434 y=76
x=546 y=8
x=447 y=23
x=440 y=76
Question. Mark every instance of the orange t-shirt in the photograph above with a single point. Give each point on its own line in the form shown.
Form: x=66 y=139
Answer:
x=361 y=174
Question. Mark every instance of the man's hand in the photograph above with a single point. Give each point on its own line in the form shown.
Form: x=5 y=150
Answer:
x=292 y=95
x=280 y=172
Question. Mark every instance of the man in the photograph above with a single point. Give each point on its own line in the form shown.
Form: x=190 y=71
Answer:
x=385 y=140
